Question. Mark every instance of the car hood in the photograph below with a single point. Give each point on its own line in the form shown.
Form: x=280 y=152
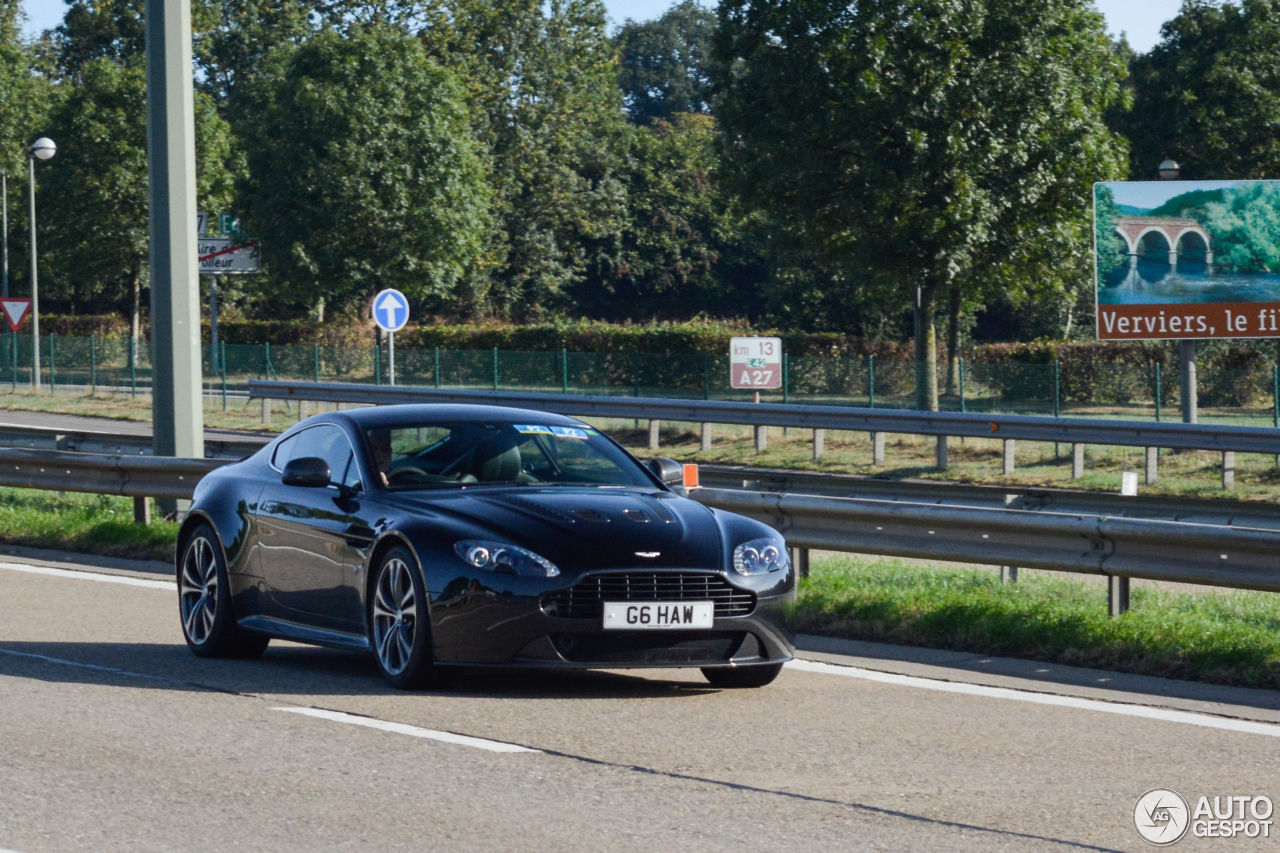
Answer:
x=591 y=528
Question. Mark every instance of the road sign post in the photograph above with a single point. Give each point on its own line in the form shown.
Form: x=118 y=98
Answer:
x=391 y=313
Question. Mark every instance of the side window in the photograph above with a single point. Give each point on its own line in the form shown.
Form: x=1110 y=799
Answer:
x=284 y=451
x=330 y=444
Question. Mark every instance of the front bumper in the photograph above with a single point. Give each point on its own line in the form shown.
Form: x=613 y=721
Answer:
x=489 y=627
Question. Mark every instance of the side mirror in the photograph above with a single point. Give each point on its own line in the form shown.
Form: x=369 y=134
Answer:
x=309 y=472
x=669 y=471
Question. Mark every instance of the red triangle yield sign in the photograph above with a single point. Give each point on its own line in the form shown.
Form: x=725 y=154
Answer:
x=15 y=311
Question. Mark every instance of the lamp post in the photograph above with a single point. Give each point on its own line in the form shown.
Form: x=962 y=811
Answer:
x=1169 y=170
x=42 y=149
x=4 y=194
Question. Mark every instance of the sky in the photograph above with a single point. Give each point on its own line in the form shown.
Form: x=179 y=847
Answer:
x=1149 y=194
x=1139 y=19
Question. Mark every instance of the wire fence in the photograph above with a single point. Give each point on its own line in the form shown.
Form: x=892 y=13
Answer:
x=110 y=364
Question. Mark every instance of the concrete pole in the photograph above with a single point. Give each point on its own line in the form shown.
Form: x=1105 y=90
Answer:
x=1077 y=461
x=819 y=443
x=1187 y=380
x=1153 y=465
x=1228 y=469
x=940 y=454
x=1117 y=595
x=177 y=410
x=877 y=448
x=654 y=427
x=1007 y=457
x=706 y=437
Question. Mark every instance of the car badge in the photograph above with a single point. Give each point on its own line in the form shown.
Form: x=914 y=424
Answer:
x=648 y=555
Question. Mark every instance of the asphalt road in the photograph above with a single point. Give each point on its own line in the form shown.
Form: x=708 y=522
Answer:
x=57 y=420
x=114 y=737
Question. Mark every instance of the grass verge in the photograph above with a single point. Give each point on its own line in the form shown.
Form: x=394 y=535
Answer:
x=1216 y=637
x=85 y=524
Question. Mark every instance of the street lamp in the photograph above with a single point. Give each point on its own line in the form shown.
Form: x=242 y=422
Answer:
x=1168 y=170
x=42 y=149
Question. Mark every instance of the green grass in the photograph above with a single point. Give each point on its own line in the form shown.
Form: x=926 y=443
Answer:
x=86 y=524
x=1217 y=637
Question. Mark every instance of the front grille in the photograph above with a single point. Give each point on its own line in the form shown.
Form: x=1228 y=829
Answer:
x=648 y=647
x=582 y=600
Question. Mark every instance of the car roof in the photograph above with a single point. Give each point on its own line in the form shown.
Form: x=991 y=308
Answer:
x=421 y=413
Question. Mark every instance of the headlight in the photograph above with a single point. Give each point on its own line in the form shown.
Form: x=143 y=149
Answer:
x=759 y=557
x=501 y=557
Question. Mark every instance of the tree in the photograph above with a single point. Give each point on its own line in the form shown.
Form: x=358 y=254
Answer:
x=1208 y=95
x=918 y=140
x=681 y=247
x=664 y=65
x=95 y=194
x=541 y=83
x=363 y=171
x=25 y=96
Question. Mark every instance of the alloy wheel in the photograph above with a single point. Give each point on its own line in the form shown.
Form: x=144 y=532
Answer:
x=199 y=590
x=395 y=616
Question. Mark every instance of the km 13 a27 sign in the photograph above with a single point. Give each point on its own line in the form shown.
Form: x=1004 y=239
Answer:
x=1187 y=259
x=755 y=363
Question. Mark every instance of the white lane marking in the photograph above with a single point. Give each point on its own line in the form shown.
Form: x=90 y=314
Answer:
x=411 y=731
x=87 y=576
x=1125 y=710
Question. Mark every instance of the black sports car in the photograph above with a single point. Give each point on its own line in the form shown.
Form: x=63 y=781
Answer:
x=448 y=535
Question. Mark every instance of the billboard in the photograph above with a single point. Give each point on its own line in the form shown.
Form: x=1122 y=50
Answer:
x=1187 y=259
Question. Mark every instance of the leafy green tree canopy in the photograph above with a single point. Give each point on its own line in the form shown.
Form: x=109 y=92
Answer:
x=1208 y=95
x=664 y=64
x=364 y=172
x=94 y=194
x=915 y=139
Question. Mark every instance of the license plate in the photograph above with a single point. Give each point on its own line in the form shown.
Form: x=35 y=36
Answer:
x=660 y=615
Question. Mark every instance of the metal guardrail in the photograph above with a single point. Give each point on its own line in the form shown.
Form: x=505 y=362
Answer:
x=1035 y=498
x=117 y=444
x=1228 y=544
x=1214 y=555
x=1121 y=433
x=131 y=476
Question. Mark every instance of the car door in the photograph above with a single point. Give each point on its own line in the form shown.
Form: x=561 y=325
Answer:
x=307 y=536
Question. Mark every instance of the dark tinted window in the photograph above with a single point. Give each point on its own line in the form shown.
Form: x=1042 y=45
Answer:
x=325 y=442
x=449 y=455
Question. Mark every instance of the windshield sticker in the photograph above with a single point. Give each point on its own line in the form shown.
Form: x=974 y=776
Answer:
x=569 y=432
x=533 y=429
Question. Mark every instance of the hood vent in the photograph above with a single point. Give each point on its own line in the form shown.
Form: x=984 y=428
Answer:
x=638 y=515
x=549 y=513
x=590 y=515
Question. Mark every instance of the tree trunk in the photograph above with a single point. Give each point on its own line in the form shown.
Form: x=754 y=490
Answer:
x=135 y=315
x=953 y=343
x=926 y=353
x=320 y=310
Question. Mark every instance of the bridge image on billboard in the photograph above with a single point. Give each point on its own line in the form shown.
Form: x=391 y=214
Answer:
x=1187 y=259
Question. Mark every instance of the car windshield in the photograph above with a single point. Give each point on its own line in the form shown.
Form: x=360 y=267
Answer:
x=454 y=455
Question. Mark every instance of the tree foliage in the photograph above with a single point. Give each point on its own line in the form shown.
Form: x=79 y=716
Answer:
x=539 y=79
x=94 y=193
x=363 y=171
x=664 y=65
x=916 y=140
x=1208 y=95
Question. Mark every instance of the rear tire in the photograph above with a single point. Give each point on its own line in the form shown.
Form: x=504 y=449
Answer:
x=400 y=624
x=204 y=602
x=745 y=676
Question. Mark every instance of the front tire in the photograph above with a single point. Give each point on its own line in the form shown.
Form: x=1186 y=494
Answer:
x=746 y=676
x=399 y=623
x=204 y=602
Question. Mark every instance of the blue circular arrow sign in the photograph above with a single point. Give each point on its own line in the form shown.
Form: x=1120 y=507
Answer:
x=390 y=310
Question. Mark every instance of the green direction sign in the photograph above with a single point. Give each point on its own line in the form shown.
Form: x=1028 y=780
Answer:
x=229 y=225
